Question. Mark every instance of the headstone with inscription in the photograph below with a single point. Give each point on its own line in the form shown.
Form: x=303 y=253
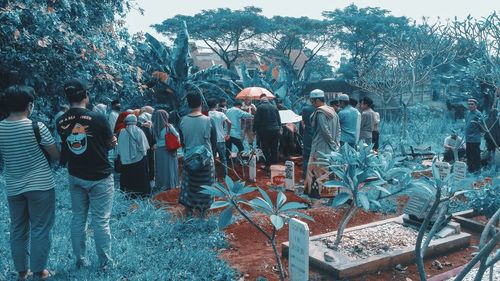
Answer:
x=418 y=205
x=289 y=175
x=298 y=253
x=459 y=171
x=444 y=169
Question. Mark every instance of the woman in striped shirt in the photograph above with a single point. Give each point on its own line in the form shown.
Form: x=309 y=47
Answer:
x=29 y=182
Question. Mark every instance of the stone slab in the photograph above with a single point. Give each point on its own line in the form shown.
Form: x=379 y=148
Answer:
x=340 y=267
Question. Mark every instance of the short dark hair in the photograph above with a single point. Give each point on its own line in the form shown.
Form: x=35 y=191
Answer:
x=16 y=99
x=353 y=102
x=222 y=99
x=193 y=100
x=262 y=96
x=75 y=90
x=212 y=103
x=368 y=101
x=334 y=102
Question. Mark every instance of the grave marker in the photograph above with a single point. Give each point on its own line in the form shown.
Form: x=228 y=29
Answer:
x=252 y=167
x=298 y=254
x=459 y=171
x=444 y=169
x=289 y=175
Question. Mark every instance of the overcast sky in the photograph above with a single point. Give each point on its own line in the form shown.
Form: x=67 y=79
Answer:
x=155 y=11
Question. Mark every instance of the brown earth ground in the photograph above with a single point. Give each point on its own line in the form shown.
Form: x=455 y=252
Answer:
x=251 y=254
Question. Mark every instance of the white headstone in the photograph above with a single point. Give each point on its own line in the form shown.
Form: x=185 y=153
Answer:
x=289 y=175
x=459 y=171
x=298 y=252
x=252 y=167
x=444 y=169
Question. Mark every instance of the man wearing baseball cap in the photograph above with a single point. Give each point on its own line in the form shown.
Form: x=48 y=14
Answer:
x=326 y=137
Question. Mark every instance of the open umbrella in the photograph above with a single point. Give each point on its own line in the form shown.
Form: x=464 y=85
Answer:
x=253 y=93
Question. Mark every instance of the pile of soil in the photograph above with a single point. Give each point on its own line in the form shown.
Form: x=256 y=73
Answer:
x=251 y=254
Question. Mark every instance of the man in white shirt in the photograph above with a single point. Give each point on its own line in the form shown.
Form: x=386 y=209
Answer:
x=452 y=143
x=247 y=122
x=113 y=115
x=220 y=119
x=235 y=115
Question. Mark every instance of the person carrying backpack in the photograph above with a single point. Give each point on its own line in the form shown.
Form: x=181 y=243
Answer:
x=29 y=182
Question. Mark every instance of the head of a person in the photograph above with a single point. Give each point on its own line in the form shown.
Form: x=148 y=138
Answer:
x=194 y=100
x=353 y=102
x=100 y=108
x=237 y=103
x=63 y=107
x=365 y=103
x=160 y=121
x=115 y=105
x=212 y=104
x=317 y=97
x=222 y=102
x=147 y=109
x=454 y=135
x=76 y=92
x=130 y=120
x=263 y=97
x=472 y=104
x=248 y=101
x=18 y=99
x=343 y=100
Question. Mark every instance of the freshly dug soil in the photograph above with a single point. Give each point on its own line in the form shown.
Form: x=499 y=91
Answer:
x=252 y=255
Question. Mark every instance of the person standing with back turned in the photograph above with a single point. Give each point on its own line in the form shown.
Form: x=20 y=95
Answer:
x=87 y=139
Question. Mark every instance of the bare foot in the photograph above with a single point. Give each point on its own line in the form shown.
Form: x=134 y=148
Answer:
x=45 y=275
x=23 y=275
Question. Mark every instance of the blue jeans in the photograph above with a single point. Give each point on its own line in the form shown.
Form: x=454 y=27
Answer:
x=98 y=196
x=31 y=214
x=221 y=150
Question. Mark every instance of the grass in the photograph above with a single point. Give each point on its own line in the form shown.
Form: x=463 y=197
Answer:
x=147 y=243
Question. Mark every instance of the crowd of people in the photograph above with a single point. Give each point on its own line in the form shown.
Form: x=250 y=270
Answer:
x=142 y=146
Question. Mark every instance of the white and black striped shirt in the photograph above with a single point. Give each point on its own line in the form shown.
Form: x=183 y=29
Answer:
x=26 y=168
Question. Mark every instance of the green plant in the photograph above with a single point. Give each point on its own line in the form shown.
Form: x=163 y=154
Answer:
x=230 y=198
x=364 y=179
x=485 y=200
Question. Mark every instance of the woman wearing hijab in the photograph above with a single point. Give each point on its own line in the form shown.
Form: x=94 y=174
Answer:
x=166 y=172
x=144 y=123
x=132 y=149
x=100 y=108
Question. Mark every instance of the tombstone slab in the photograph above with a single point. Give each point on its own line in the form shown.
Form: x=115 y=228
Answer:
x=459 y=171
x=444 y=169
x=298 y=253
x=289 y=175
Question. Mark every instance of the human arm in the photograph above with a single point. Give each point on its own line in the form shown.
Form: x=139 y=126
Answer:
x=47 y=143
x=229 y=126
x=323 y=129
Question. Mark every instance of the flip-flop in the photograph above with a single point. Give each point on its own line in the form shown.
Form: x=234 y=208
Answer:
x=48 y=276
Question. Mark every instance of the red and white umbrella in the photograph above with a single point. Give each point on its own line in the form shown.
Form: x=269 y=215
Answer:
x=254 y=93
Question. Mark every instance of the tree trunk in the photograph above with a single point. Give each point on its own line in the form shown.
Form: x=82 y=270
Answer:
x=343 y=224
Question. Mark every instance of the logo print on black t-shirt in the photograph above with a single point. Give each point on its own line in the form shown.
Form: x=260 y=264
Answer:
x=77 y=141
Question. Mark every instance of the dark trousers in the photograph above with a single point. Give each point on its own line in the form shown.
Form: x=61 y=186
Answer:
x=448 y=155
x=375 y=139
x=269 y=144
x=229 y=146
x=473 y=156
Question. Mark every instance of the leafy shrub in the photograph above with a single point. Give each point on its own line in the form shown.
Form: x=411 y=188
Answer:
x=148 y=244
x=485 y=200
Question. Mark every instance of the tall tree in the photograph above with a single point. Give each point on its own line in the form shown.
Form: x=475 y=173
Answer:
x=226 y=32
x=288 y=38
x=362 y=32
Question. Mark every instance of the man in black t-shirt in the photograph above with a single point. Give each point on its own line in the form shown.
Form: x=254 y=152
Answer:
x=86 y=139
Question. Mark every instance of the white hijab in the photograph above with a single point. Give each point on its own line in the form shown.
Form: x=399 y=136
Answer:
x=132 y=142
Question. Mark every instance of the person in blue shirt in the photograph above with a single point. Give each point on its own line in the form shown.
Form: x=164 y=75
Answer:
x=307 y=135
x=473 y=130
x=350 y=120
x=235 y=114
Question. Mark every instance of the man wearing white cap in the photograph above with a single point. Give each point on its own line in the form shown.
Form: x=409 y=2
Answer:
x=350 y=120
x=326 y=137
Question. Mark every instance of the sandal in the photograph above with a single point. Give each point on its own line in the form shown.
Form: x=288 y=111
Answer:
x=24 y=275
x=45 y=275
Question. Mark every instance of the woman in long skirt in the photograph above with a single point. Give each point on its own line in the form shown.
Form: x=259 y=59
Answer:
x=132 y=149
x=166 y=163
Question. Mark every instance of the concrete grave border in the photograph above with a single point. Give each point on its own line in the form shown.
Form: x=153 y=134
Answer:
x=341 y=267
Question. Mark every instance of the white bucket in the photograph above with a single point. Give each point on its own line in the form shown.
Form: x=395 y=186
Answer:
x=278 y=175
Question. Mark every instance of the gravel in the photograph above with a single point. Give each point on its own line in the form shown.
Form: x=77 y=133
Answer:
x=380 y=239
x=486 y=277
